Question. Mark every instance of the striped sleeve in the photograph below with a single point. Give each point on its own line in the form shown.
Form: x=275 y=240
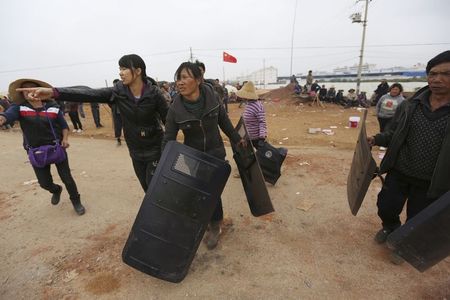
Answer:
x=255 y=120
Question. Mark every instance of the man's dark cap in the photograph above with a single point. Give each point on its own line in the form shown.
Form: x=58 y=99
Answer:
x=438 y=59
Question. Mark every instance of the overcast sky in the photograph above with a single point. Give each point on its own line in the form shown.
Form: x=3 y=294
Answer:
x=78 y=42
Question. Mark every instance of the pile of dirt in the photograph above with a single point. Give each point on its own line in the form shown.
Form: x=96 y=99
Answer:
x=283 y=93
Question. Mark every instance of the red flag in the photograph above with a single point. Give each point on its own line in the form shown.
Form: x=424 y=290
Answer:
x=229 y=58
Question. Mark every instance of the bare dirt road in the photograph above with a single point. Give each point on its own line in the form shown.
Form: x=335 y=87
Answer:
x=310 y=248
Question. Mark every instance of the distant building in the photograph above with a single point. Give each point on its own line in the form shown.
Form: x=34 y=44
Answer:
x=368 y=72
x=262 y=76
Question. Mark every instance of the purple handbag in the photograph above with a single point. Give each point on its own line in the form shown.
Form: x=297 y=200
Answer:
x=47 y=154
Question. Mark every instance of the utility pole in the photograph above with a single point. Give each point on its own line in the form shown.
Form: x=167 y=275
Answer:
x=358 y=79
x=292 y=39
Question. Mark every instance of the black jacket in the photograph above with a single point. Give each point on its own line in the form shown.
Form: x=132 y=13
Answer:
x=141 y=119
x=395 y=136
x=202 y=134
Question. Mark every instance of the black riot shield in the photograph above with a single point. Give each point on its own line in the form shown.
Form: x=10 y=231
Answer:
x=361 y=171
x=270 y=160
x=424 y=240
x=175 y=212
x=251 y=176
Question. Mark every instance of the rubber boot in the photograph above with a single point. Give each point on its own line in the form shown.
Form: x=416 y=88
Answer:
x=212 y=239
x=77 y=206
x=56 y=195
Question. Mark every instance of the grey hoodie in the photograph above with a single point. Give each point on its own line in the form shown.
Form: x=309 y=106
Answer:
x=387 y=105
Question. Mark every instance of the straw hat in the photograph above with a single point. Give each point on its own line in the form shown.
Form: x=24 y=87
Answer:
x=248 y=91
x=17 y=97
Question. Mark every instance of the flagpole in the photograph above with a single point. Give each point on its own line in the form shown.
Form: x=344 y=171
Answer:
x=223 y=72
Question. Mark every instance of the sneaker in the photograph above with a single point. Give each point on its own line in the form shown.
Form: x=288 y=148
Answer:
x=382 y=235
x=57 y=196
x=119 y=142
x=80 y=130
x=74 y=130
x=395 y=258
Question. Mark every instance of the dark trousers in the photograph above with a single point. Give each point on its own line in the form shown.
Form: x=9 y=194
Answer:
x=45 y=179
x=75 y=118
x=96 y=114
x=144 y=170
x=218 y=212
x=117 y=125
x=384 y=123
x=393 y=195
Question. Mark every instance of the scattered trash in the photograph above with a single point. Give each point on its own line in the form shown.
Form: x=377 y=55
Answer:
x=308 y=283
x=70 y=276
x=82 y=173
x=346 y=127
x=353 y=121
x=285 y=138
x=333 y=127
x=29 y=182
x=305 y=205
x=280 y=143
x=284 y=129
x=314 y=130
x=274 y=115
x=304 y=163
x=360 y=109
x=328 y=131
x=298 y=193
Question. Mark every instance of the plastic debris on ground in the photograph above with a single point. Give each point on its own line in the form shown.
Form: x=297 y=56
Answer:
x=29 y=182
x=305 y=205
x=328 y=131
x=314 y=130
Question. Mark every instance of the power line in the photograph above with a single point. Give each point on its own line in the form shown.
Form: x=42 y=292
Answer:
x=326 y=47
x=84 y=63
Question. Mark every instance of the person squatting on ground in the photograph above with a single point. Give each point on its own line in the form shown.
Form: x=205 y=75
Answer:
x=254 y=114
x=198 y=113
x=417 y=161
x=387 y=105
x=142 y=108
x=35 y=117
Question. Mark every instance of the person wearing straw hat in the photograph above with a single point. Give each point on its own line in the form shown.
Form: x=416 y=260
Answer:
x=254 y=115
x=198 y=113
x=42 y=123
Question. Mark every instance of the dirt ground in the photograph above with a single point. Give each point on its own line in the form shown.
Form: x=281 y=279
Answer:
x=310 y=248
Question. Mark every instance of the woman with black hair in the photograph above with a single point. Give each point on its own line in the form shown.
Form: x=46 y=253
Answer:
x=142 y=108
x=197 y=111
x=388 y=104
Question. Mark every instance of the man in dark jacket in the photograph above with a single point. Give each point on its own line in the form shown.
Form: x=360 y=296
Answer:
x=417 y=161
x=381 y=90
